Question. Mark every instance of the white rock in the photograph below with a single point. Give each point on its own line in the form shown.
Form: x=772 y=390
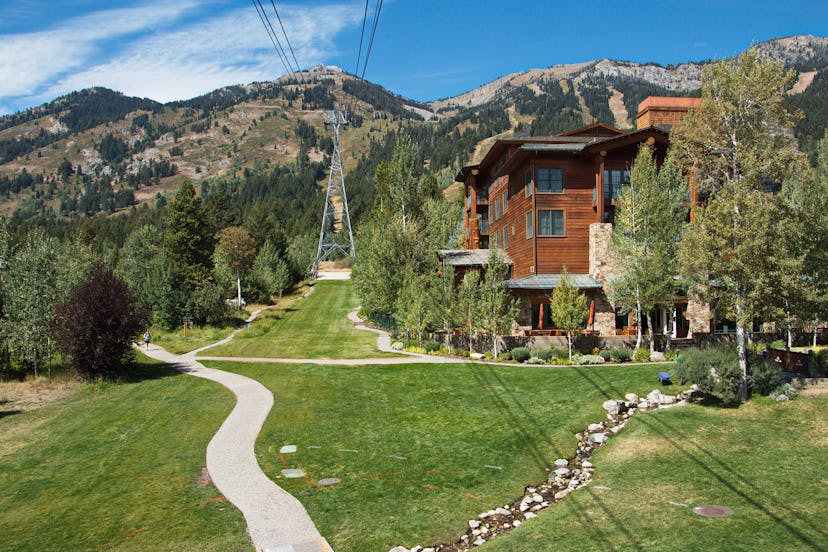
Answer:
x=595 y=427
x=537 y=498
x=631 y=397
x=524 y=506
x=586 y=464
x=476 y=356
x=516 y=523
x=480 y=541
x=658 y=356
x=503 y=512
x=562 y=472
x=561 y=463
x=560 y=494
x=644 y=404
x=654 y=396
x=597 y=438
x=668 y=399
x=474 y=524
x=529 y=515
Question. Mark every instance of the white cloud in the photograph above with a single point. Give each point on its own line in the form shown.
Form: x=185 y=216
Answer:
x=164 y=52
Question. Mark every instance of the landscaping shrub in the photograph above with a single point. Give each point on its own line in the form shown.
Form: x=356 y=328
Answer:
x=620 y=355
x=641 y=355
x=561 y=354
x=715 y=370
x=398 y=346
x=431 y=346
x=520 y=354
x=535 y=360
x=505 y=356
x=606 y=354
x=585 y=360
x=764 y=376
x=543 y=354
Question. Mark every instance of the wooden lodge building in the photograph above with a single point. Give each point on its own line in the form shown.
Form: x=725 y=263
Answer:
x=549 y=202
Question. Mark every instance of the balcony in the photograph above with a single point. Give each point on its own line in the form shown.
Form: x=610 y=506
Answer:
x=483 y=225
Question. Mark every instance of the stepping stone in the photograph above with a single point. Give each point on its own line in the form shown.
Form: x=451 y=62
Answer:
x=293 y=473
x=329 y=481
x=287 y=449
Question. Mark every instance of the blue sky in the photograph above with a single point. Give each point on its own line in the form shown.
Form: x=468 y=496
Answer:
x=423 y=49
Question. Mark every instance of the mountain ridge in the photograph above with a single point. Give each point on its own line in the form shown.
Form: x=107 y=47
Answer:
x=51 y=155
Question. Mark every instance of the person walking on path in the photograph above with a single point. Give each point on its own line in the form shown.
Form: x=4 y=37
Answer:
x=147 y=338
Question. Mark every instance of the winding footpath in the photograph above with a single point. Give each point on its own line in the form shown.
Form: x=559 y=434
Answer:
x=276 y=521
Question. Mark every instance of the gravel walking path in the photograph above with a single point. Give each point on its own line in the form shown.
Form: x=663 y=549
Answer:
x=276 y=521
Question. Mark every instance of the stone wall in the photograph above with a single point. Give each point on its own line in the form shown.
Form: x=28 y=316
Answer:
x=698 y=315
x=602 y=270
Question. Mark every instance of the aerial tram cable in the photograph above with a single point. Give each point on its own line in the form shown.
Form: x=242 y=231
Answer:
x=298 y=68
x=277 y=45
x=373 y=33
x=361 y=37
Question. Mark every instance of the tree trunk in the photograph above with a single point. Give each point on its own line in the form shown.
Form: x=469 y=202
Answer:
x=741 y=346
x=815 y=332
x=639 y=335
x=569 y=342
x=494 y=341
x=652 y=332
x=671 y=322
x=238 y=288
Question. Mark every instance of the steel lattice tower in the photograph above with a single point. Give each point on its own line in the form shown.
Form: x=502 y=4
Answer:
x=336 y=186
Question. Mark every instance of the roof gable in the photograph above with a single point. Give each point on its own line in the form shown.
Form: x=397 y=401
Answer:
x=595 y=130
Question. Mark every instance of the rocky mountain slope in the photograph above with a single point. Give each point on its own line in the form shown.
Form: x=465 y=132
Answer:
x=97 y=150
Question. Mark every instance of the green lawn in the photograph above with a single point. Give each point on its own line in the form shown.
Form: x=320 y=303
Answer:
x=314 y=327
x=115 y=467
x=424 y=436
x=765 y=460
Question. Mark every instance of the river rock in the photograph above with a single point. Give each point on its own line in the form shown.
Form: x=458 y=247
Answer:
x=614 y=407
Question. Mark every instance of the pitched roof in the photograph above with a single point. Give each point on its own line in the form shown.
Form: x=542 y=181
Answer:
x=551 y=281
x=470 y=257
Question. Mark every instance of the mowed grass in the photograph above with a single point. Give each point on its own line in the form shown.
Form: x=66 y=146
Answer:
x=116 y=467
x=765 y=460
x=314 y=327
x=420 y=449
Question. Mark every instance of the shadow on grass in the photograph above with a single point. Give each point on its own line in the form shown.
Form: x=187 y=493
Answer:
x=515 y=413
x=524 y=424
x=138 y=370
x=724 y=474
x=6 y=413
x=730 y=478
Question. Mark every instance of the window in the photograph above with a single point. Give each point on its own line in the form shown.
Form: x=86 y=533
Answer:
x=550 y=180
x=490 y=214
x=505 y=238
x=497 y=208
x=529 y=224
x=505 y=196
x=614 y=179
x=550 y=223
x=528 y=183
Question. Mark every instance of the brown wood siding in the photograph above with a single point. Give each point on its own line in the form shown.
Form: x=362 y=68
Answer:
x=572 y=249
x=520 y=248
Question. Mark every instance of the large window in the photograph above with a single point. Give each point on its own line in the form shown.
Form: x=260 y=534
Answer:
x=505 y=237
x=529 y=224
x=497 y=208
x=614 y=179
x=550 y=180
x=505 y=202
x=550 y=223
